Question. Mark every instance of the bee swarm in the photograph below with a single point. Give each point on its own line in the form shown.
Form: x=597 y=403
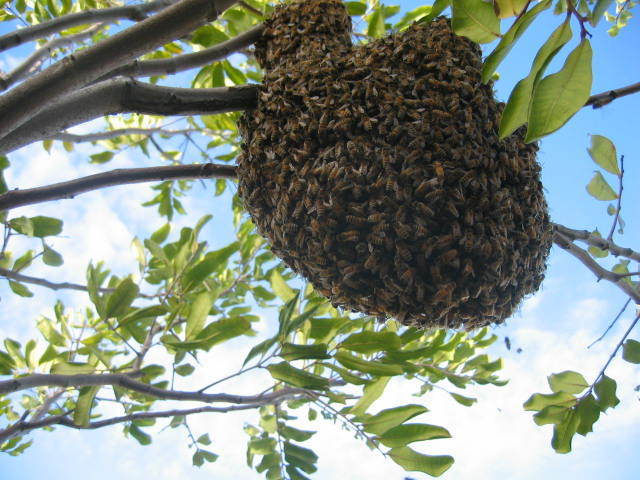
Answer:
x=376 y=172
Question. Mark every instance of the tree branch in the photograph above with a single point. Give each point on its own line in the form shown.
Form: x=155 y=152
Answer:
x=35 y=60
x=19 y=277
x=120 y=132
x=127 y=96
x=120 y=176
x=75 y=71
x=108 y=15
x=595 y=241
x=125 y=381
x=169 y=66
x=21 y=427
x=604 y=98
x=600 y=272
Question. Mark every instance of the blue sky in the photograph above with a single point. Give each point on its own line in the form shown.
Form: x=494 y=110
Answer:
x=494 y=438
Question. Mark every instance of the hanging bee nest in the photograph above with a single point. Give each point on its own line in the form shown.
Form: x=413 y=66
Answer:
x=376 y=172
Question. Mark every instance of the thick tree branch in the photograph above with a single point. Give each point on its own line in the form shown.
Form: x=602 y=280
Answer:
x=600 y=272
x=108 y=15
x=604 y=98
x=19 y=277
x=21 y=427
x=75 y=71
x=595 y=241
x=126 y=382
x=35 y=60
x=127 y=96
x=169 y=66
x=120 y=176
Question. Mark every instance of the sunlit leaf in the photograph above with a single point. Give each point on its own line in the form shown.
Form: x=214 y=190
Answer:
x=599 y=188
x=568 y=381
x=559 y=96
x=198 y=314
x=603 y=152
x=564 y=431
x=631 y=351
x=370 y=342
x=84 y=404
x=284 y=372
x=605 y=390
x=475 y=19
x=118 y=302
x=407 y=433
x=391 y=417
x=516 y=111
x=412 y=461
x=538 y=401
x=462 y=400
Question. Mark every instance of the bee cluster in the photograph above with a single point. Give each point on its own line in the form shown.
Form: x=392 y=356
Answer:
x=376 y=172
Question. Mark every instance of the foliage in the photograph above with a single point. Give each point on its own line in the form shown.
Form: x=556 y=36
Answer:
x=187 y=299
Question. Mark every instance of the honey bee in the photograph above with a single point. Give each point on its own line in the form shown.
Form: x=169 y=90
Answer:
x=443 y=295
x=376 y=217
x=408 y=276
x=404 y=253
x=349 y=236
x=372 y=262
x=404 y=231
x=353 y=220
x=448 y=256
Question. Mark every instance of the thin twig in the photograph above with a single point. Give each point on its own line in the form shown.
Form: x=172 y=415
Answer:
x=120 y=132
x=620 y=189
x=126 y=382
x=612 y=356
x=626 y=304
x=19 y=277
x=120 y=176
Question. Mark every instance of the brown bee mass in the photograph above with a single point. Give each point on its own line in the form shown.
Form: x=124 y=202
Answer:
x=376 y=172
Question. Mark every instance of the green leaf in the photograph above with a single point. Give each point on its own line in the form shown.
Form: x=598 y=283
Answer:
x=295 y=434
x=559 y=96
x=84 y=404
x=161 y=234
x=46 y=226
x=564 y=431
x=211 y=263
x=204 y=439
x=588 y=412
x=22 y=225
x=280 y=287
x=603 y=152
x=72 y=368
x=436 y=9
x=509 y=8
x=386 y=419
x=284 y=372
x=20 y=289
x=462 y=400
x=198 y=313
x=51 y=257
x=356 y=8
x=509 y=39
x=185 y=370
x=516 y=110
x=538 y=401
x=376 y=28
x=599 y=188
x=301 y=457
x=373 y=367
x=598 y=11
x=118 y=302
x=631 y=351
x=50 y=333
x=412 y=461
x=262 y=446
x=102 y=157
x=372 y=392
x=292 y=352
x=412 y=16
x=568 y=381
x=370 y=342
x=475 y=20
x=402 y=435
x=551 y=414
x=139 y=435
x=259 y=349
x=605 y=390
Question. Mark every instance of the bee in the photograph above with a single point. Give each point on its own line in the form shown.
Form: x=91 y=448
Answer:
x=376 y=217
x=353 y=220
x=349 y=236
x=451 y=208
x=377 y=239
x=443 y=295
x=372 y=262
x=404 y=253
x=408 y=276
x=467 y=269
x=424 y=210
x=381 y=227
x=327 y=243
x=404 y=231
